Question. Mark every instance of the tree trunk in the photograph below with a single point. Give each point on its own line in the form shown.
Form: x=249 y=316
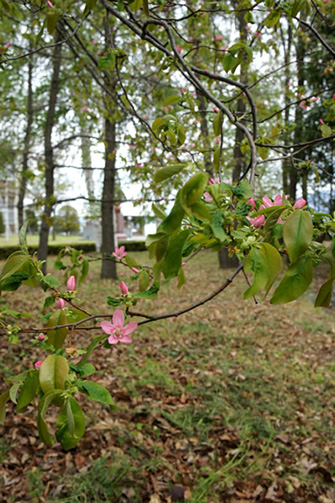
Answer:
x=86 y=160
x=225 y=261
x=27 y=140
x=48 y=153
x=287 y=136
x=298 y=132
x=108 y=268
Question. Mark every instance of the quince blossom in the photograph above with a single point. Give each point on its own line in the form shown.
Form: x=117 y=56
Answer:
x=119 y=252
x=118 y=332
x=257 y=221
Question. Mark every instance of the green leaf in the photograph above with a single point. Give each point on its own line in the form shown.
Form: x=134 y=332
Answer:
x=53 y=372
x=170 y=100
x=58 y=336
x=193 y=190
x=144 y=280
x=217 y=228
x=200 y=210
x=90 y=349
x=95 y=391
x=131 y=262
x=256 y=263
x=3 y=400
x=272 y=19
x=14 y=391
x=325 y=130
x=181 y=277
x=297 y=7
x=41 y=424
x=14 y=262
x=84 y=370
x=84 y=270
x=52 y=19
x=297 y=233
x=148 y=294
x=48 y=301
x=173 y=221
x=295 y=282
x=229 y=63
x=71 y=424
x=326 y=290
x=23 y=234
x=135 y=5
x=113 y=301
x=28 y=390
x=50 y=281
x=168 y=171
x=243 y=190
x=158 y=211
x=274 y=264
x=173 y=257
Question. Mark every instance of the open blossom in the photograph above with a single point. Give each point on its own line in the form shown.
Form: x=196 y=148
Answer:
x=257 y=221
x=60 y=303
x=71 y=284
x=38 y=364
x=208 y=198
x=119 y=252
x=300 y=203
x=123 y=288
x=118 y=333
x=278 y=201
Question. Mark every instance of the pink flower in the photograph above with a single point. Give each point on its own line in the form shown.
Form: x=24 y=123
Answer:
x=131 y=147
x=257 y=221
x=41 y=337
x=71 y=284
x=252 y=202
x=267 y=202
x=182 y=90
x=135 y=270
x=321 y=121
x=216 y=110
x=178 y=49
x=257 y=34
x=300 y=203
x=303 y=105
x=38 y=364
x=166 y=109
x=224 y=48
x=262 y=207
x=219 y=37
x=217 y=141
x=183 y=264
x=119 y=252
x=123 y=288
x=60 y=303
x=278 y=200
x=272 y=41
x=66 y=250
x=50 y=4
x=85 y=108
x=208 y=198
x=279 y=221
x=118 y=332
x=7 y=45
x=212 y=181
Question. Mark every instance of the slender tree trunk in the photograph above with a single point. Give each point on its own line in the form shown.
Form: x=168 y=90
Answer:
x=225 y=261
x=27 y=140
x=108 y=268
x=299 y=130
x=48 y=152
x=287 y=136
x=86 y=160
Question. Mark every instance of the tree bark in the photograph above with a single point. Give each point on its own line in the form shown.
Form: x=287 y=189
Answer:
x=108 y=267
x=27 y=140
x=48 y=152
x=286 y=165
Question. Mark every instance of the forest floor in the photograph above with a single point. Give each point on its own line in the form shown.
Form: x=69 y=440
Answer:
x=234 y=402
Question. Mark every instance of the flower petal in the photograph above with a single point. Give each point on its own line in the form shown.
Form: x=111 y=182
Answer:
x=128 y=329
x=118 y=318
x=124 y=338
x=113 y=340
x=107 y=327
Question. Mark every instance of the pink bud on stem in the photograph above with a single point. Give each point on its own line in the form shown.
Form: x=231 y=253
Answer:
x=123 y=288
x=60 y=303
x=71 y=284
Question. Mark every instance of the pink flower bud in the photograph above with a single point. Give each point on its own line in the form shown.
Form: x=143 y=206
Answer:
x=71 y=284
x=60 y=303
x=66 y=250
x=219 y=37
x=212 y=181
x=38 y=364
x=123 y=288
x=135 y=270
x=208 y=198
x=85 y=108
x=7 y=45
x=49 y=4
x=216 y=110
x=279 y=221
x=252 y=202
x=257 y=221
x=300 y=203
x=217 y=141
x=183 y=264
x=182 y=90
x=178 y=49
x=321 y=121
x=41 y=337
x=334 y=96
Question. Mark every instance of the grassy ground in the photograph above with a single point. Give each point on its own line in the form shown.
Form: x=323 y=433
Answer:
x=234 y=402
x=33 y=239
